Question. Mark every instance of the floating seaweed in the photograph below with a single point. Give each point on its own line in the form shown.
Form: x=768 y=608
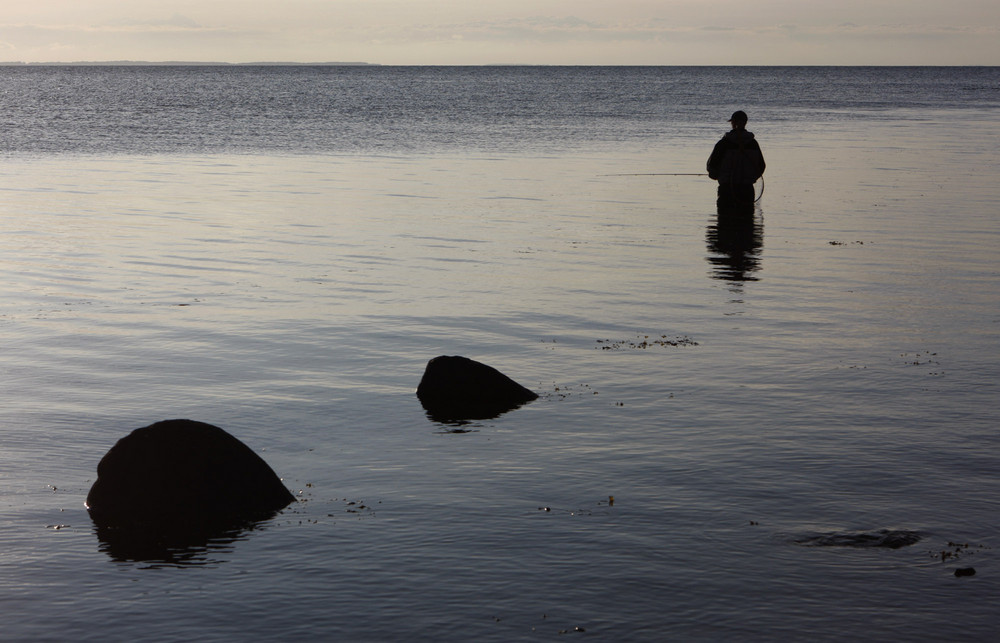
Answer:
x=886 y=538
x=644 y=342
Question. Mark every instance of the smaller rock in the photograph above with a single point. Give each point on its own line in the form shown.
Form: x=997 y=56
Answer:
x=965 y=571
x=457 y=388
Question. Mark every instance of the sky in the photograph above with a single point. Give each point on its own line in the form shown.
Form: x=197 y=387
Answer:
x=484 y=32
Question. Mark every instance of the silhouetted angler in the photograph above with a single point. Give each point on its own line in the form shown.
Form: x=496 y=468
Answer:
x=736 y=163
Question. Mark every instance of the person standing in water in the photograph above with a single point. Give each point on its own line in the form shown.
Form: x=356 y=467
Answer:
x=736 y=163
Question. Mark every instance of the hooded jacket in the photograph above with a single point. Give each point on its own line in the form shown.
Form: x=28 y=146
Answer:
x=736 y=159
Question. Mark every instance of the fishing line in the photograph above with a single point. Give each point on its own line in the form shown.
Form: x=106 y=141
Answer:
x=757 y=200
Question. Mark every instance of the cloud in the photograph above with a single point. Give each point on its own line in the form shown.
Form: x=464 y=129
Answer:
x=571 y=28
x=574 y=41
x=176 y=21
x=394 y=38
x=170 y=39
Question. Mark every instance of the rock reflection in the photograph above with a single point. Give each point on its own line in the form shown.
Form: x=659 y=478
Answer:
x=456 y=426
x=460 y=416
x=172 y=548
x=735 y=239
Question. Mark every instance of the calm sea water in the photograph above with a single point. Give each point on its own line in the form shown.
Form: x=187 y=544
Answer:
x=279 y=251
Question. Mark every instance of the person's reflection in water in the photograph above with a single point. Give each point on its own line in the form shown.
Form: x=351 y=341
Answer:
x=735 y=239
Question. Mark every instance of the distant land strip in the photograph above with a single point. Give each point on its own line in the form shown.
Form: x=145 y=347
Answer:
x=178 y=63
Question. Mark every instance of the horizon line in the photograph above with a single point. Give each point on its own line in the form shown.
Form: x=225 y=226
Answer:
x=198 y=63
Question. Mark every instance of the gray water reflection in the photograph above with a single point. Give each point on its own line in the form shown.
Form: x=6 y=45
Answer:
x=735 y=241
x=177 y=548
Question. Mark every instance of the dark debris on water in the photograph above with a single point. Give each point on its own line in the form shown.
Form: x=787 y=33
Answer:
x=886 y=538
x=644 y=342
x=954 y=551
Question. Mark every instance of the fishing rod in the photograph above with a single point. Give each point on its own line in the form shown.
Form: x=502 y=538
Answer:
x=757 y=200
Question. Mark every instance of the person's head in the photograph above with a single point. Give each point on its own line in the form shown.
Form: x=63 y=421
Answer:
x=739 y=119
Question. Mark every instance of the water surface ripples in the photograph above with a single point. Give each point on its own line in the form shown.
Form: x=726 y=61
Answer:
x=844 y=381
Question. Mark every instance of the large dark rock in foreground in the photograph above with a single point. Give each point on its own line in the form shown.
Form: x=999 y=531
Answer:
x=456 y=388
x=178 y=482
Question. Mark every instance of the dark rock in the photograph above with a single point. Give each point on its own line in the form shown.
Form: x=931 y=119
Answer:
x=180 y=482
x=887 y=538
x=456 y=388
x=965 y=571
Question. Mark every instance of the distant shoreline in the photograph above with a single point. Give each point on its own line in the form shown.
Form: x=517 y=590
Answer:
x=179 y=63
